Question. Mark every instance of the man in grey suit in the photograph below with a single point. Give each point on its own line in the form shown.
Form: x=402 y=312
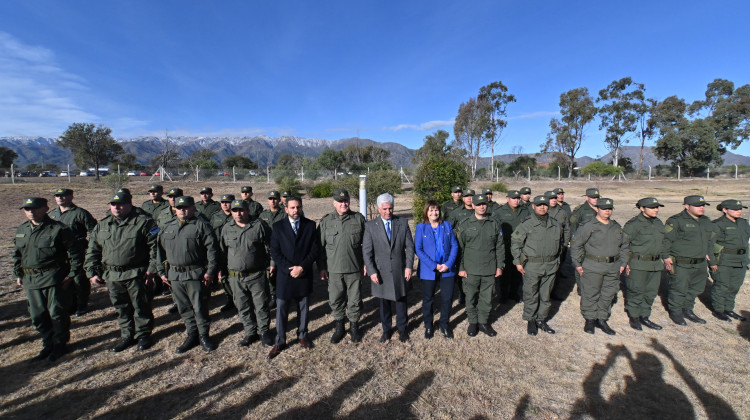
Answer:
x=388 y=250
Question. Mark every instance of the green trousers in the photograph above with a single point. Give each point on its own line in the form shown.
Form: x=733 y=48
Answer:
x=537 y=286
x=77 y=294
x=727 y=283
x=598 y=291
x=227 y=286
x=641 y=288
x=48 y=314
x=131 y=299
x=685 y=285
x=191 y=297
x=344 y=295
x=478 y=290
x=251 y=300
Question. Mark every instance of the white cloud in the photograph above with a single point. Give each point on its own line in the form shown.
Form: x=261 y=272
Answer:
x=538 y=114
x=429 y=125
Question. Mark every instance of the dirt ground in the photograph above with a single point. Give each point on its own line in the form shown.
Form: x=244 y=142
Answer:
x=698 y=371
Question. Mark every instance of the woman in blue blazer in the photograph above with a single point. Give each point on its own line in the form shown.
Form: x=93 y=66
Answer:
x=437 y=248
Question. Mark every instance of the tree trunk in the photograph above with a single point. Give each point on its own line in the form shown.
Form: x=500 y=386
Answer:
x=640 y=157
x=616 y=158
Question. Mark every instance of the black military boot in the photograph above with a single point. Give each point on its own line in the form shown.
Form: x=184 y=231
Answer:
x=532 y=329
x=635 y=324
x=647 y=323
x=247 y=340
x=691 y=316
x=267 y=339
x=590 y=326
x=228 y=305
x=354 y=332
x=190 y=342
x=46 y=351
x=542 y=325
x=487 y=329
x=340 y=331
x=207 y=343
x=735 y=315
x=57 y=351
x=121 y=345
x=472 y=330
x=602 y=324
x=677 y=318
x=721 y=315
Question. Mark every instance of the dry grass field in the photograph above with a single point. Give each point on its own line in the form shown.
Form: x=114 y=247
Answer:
x=698 y=371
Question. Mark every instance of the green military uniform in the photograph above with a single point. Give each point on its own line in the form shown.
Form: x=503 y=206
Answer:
x=166 y=216
x=461 y=212
x=341 y=245
x=217 y=222
x=602 y=250
x=731 y=253
x=536 y=245
x=81 y=222
x=121 y=252
x=190 y=250
x=44 y=255
x=562 y=217
x=153 y=208
x=688 y=241
x=646 y=235
x=579 y=217
x=492 y=206
x=482 y=253
x=208 y=209
x=526 y=204
x=448 y=207
x=271 y=217
x=509 y=219
x=246 y=258
x=254 y=207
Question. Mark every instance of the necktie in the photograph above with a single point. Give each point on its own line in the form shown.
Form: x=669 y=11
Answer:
x=388 y=229
x=295 y=226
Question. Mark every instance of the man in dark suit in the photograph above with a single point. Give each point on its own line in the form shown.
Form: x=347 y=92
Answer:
x=294 y=248
x=388 y=250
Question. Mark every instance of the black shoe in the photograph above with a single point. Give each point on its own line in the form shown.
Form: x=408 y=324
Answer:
x=207 y=343
x=275 y=351
x=677 y=319
x=735 y=315
x=578 y=290
x=403 y=336
x=635 y=324
x=122 y=344
x=46 y=351
x=267 y=339
x=81 y=311
x=647 y=323
x=190 y=342
x=272 y=302
x=447 y=332
x=173 y=309
x=247 y=340
x=57 y=351
x=145 y=342
x=487 y=329
x=429 y=333
x=340 y=331
x=542 y=325
x=354 y=332
x=386 y=336
x=531 y=328
x=722 y=316
x=602 y=324
x=166 y=292
x=472 y=330
x=229 y=306
x=590 y=327
x=691 y=316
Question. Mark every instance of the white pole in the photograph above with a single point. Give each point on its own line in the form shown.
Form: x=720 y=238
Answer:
x=649 y=172
x=708 y=173
x=268 y=175
x=234 y=174
x=363 y=195
x=68 y=173
x=12 y=173
x=303 y=173
x=558 y=173
x=678 y=172
x=735 y=171
x=528 y=170
x=197 y=169
x=118 y=169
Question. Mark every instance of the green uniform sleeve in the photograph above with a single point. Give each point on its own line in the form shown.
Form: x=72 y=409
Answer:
x=93 y=262
x=74 y=248
x=577 y=242
x=517 y=241
x=499 y=247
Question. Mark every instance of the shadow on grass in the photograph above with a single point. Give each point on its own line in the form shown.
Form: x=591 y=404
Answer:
x=744 y=327
x=522 y=407
x=645 y=393
x=248 y=404
x=328 y=406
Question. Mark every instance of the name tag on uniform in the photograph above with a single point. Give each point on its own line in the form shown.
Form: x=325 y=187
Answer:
x=20 y=235
x=689 y=225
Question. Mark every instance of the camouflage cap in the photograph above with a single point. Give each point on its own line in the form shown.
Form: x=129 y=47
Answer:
x=467 y=192
x=184 y=201
x=246 y=189
x=525 y=190
x=486 y=190
x=457 y=190
x=731 y=205
x=63 y=191
x=227 y=198
x=592 y=192
x=559 y=190
x=341 y=195
x=695 y=201
x=513 y=194
x=240 y=204
x=479 y=199
x=548 y=195
x=274 y=194
x=121 y=198
x=34 y=203
x=207 y=190
x=605 y=204
x=174 y=192
x=542 y=200
x=286 y=193
x=155 y=188
x=649 y=202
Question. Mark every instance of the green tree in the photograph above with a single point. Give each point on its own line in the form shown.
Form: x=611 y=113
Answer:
x=566 y=133
x=127 y=161
x=437 y=145
x=242 y=162
x=497 y=95
x=7 y=156
x=471 y=127
x=600 y=169
x=378 y=182
x=372 y=157
x=519 y=166
x=91 y=145
x=618 y=112
x=439 y=169
x=727 y=110
x=331 y=160
x=289 y=161
x=167 y=159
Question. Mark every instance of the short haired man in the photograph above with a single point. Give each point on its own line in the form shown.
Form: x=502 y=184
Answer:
x=218 y=220
x=156 y=203
x=255 y=208
x=453 y=203
x=731 y=251
x=457 y=215
x=509 y=216
x=207 y=207
x=582 y=215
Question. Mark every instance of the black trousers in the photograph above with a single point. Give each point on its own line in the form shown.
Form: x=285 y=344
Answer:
x=446 y=299
x=282 y=316
x=386 y=315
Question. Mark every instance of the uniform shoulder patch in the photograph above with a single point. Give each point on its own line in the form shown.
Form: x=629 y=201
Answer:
x=668 y=228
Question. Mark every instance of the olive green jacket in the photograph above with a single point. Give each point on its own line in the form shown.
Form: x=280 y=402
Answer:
x=341 y=242
x=580 y=216
x=537 y=239
x=246 y=249
x=449 y=206
x=255 y=208
x=646 y=237
x=45 y=254
x=218 y=220
x=509 y=220
x=459 y=214
x=482 y=246
x=271 y=217
x=122 y=249
x=166 y=216
x=189 y=248
x=687 y=237
x=595 y=239
x=79 y=220
x=563 y=218
x=731 y=242
x=207 y=210
x=153 y=209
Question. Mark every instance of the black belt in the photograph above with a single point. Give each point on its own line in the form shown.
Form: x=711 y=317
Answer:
x=543 y=259
x=685 y=260
x=734 y=251
x=602 y=259
x=186 y=268
x=642 y=257
x=37 y=270
x=121 y=268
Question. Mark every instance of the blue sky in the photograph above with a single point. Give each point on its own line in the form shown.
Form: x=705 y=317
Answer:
x=385 y=70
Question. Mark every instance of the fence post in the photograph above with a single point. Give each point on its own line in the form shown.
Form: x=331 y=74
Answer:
x=363 y=195
x=678 y=172
x=268 y=174
x=12 y=174
x=558 y=173
x=735 y=171
x=528 y=170
x=649 y=172
x=234 y=174
x=708 y=173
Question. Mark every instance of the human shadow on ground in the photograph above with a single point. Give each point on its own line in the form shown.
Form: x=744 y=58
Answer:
x=522 y=407
x=248 y=404
x=399 y=407
x=744 y=327
x=327 y=407
x=645 y=394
